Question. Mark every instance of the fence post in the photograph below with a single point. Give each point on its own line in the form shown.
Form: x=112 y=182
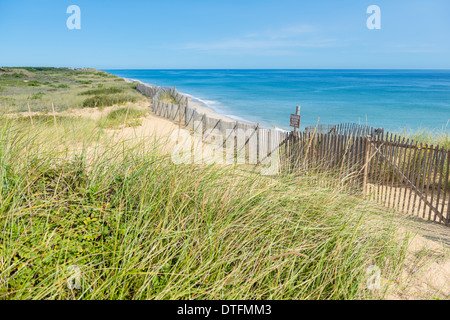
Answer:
x=366 y=164
x=297 y=112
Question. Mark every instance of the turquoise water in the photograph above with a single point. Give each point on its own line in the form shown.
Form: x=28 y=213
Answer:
x=393 y=99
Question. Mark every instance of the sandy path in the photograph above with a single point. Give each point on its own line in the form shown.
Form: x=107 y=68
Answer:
x=426 y=273
x=152 y=125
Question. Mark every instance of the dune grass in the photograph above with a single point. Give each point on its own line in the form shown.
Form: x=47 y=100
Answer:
x=137 y=226
x=102 y=91
x=124 y=116
x=436 y=138
x=167 y=98
x=69 y=131
x=100 y=101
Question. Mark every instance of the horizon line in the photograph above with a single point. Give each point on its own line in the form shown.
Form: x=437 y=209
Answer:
x=169 y=68
x=446 y=69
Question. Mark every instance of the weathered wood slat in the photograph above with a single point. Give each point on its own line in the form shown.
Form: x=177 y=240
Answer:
x=420 y=194
x=440 y=171
x=402 y=195
x=433 y=178
x=447 y=189
x=385 y=179
x=391 y=195
x=424 y=178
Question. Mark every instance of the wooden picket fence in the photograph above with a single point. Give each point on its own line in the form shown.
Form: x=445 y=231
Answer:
x=346 y=128
x=391 y=169
x=256 y=146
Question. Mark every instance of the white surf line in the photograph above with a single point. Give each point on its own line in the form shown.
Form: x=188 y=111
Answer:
x=206 y=105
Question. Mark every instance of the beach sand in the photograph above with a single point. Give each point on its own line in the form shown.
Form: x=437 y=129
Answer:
x=152 y=126
x=426 y=273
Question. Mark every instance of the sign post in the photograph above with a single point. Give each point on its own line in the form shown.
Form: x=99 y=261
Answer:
x=295 y=120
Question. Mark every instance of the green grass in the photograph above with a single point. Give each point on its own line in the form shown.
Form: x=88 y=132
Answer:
x=85 y=81
x=102 y=91
x=65 y=88
x=108 y=100
x=128 y=117
x=140 y=227
x=69 y=131
x=37 y=96
x=33 y=84
x=167 y=98
x=436 y=138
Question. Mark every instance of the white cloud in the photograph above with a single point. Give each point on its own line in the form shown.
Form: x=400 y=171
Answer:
x=281 y=40
x=289 y=32
x=261 y=44
x=283 y=33
x=414 y=48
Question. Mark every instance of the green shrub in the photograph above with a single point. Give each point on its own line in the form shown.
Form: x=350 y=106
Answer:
x=130 y=117
x=167 y=98
x=104 y=101
x=105 y=75
x=85 y=81
x=33 y=83
x=100 y=91
x=37 y=96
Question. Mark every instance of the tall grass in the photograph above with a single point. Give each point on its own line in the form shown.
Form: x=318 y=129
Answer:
x=139 y=227
x=166 y=97
x=124 y=116
x=108 y=100
x=102 y=91
x=436 y=138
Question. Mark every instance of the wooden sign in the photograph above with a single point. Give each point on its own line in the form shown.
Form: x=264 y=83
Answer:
x=295 y=121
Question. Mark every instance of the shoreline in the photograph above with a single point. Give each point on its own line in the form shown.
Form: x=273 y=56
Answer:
x=194 y=102
x=322 y=95
x=203 y=107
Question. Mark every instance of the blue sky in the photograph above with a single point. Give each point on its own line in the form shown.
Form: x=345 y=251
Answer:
x=226 y=34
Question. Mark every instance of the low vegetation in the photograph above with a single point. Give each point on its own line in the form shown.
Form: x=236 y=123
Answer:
x=101 y=101
x=167 y=98
x=38 y=88
x=439 y=138
x=123 y=117
x=102 y=91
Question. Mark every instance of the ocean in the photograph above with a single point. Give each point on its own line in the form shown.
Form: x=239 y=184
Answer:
x=393 y=99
